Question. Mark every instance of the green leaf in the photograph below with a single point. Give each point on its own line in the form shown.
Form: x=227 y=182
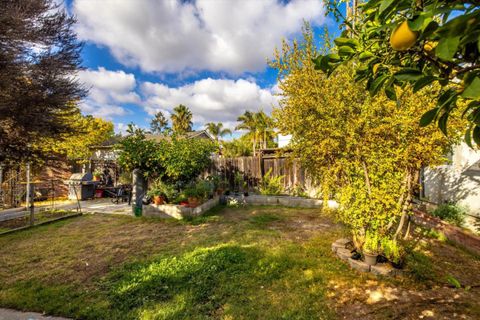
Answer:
x=447 y=47
x=442 y=123
x=345 y=51
x=342 y=41
x=376 y=84
x=471 y=105
x=365 y=55
x=420 y=22
x=476 y=135
x=428 y=117
x=408 y=74
x=321 y=63
x=447 y=98
x=468 y=137
x=384 y=5
x=333 y=57
x=390 y=92
x=473 y=89
x=423 y=82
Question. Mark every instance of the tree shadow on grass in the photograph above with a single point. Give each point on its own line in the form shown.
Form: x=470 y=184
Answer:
x=203 y=283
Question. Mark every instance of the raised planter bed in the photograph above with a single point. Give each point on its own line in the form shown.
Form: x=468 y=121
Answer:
x=286 y=201
x=177 y=211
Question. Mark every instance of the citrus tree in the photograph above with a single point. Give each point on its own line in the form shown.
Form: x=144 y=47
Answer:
x=363 y=151
x=417 y=42
x=173 y=159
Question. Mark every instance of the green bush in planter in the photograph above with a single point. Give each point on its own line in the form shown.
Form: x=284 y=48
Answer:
x=271 y=186
x=451 y=213
x=160 y=188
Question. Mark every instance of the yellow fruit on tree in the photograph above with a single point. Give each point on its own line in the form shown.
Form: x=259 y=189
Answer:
x=402 y=37
x=375 y=67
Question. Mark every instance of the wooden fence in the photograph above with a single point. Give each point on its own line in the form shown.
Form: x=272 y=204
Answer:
x=254 y=168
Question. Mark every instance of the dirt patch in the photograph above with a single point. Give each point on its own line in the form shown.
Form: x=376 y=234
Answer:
x=385 y=302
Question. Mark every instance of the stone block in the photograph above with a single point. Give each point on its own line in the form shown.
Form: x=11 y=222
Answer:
x=343 y=253
x=358 y=265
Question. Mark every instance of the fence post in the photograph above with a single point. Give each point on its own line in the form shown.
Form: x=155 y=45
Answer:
x=29 y=200
x=138 y=191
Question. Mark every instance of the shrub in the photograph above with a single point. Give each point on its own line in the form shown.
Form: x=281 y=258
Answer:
x=392 y=250
x=201 y=189
x=371 y=243
x=451 y=213
x=271 y=185
x=160 y=188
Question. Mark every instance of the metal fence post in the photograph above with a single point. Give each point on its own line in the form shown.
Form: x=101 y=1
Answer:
x=29 y=200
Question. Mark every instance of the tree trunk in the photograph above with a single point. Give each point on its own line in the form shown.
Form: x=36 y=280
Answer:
x=406 y=204
x=367 y=179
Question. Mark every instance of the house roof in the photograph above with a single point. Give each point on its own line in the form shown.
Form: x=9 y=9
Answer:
x=201 y=134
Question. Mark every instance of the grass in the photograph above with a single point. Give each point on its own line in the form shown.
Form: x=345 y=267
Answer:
x=233 y=263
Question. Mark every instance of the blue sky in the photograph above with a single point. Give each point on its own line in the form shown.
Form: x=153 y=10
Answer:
x=144 y=56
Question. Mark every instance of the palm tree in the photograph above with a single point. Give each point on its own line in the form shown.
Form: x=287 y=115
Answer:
x=159 y=123
x=264 y=126
x=249 y=123
x=181 y=119
x=217 y=130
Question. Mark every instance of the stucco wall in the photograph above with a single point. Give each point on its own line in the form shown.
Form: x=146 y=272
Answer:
x=458 y=181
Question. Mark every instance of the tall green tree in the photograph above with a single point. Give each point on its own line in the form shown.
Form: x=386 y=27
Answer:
x=181 y=119
x=249 y=123
x=265 y=126
x=159 y=123
x=421 y=43
x=217 y=130
x=39 y=57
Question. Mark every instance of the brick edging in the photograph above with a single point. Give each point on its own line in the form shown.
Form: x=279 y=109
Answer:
x=467 y=240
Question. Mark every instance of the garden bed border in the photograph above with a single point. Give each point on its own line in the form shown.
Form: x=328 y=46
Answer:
x=455 y=234
x=177 y=211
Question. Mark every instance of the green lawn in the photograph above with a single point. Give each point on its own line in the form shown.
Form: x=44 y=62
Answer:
x=236 y=263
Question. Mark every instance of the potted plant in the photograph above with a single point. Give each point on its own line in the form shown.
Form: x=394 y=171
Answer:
x=393 y=251
x=370 y=248
x=97 y=175
x=161 y=192
x=192 y=195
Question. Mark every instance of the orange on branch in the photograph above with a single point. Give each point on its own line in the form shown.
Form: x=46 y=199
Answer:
x=403 y=38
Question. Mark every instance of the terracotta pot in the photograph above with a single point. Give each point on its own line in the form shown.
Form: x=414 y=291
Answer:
x=158 y=200
x=370 y=259
x=193 y=202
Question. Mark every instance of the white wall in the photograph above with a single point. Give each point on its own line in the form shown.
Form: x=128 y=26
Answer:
x=283 y=141
x=458 y=181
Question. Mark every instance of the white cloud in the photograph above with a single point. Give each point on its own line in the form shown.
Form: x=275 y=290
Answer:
x=181 y=36
x=216 y=100
x=107 y=90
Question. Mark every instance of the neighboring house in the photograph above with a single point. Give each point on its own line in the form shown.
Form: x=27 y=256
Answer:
x=458 y=181
x=201 y=134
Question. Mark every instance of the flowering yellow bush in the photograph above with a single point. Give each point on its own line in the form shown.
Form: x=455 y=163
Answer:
x=365 y=152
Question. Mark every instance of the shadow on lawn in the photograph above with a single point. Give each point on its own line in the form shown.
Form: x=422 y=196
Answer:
x=202 y=283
